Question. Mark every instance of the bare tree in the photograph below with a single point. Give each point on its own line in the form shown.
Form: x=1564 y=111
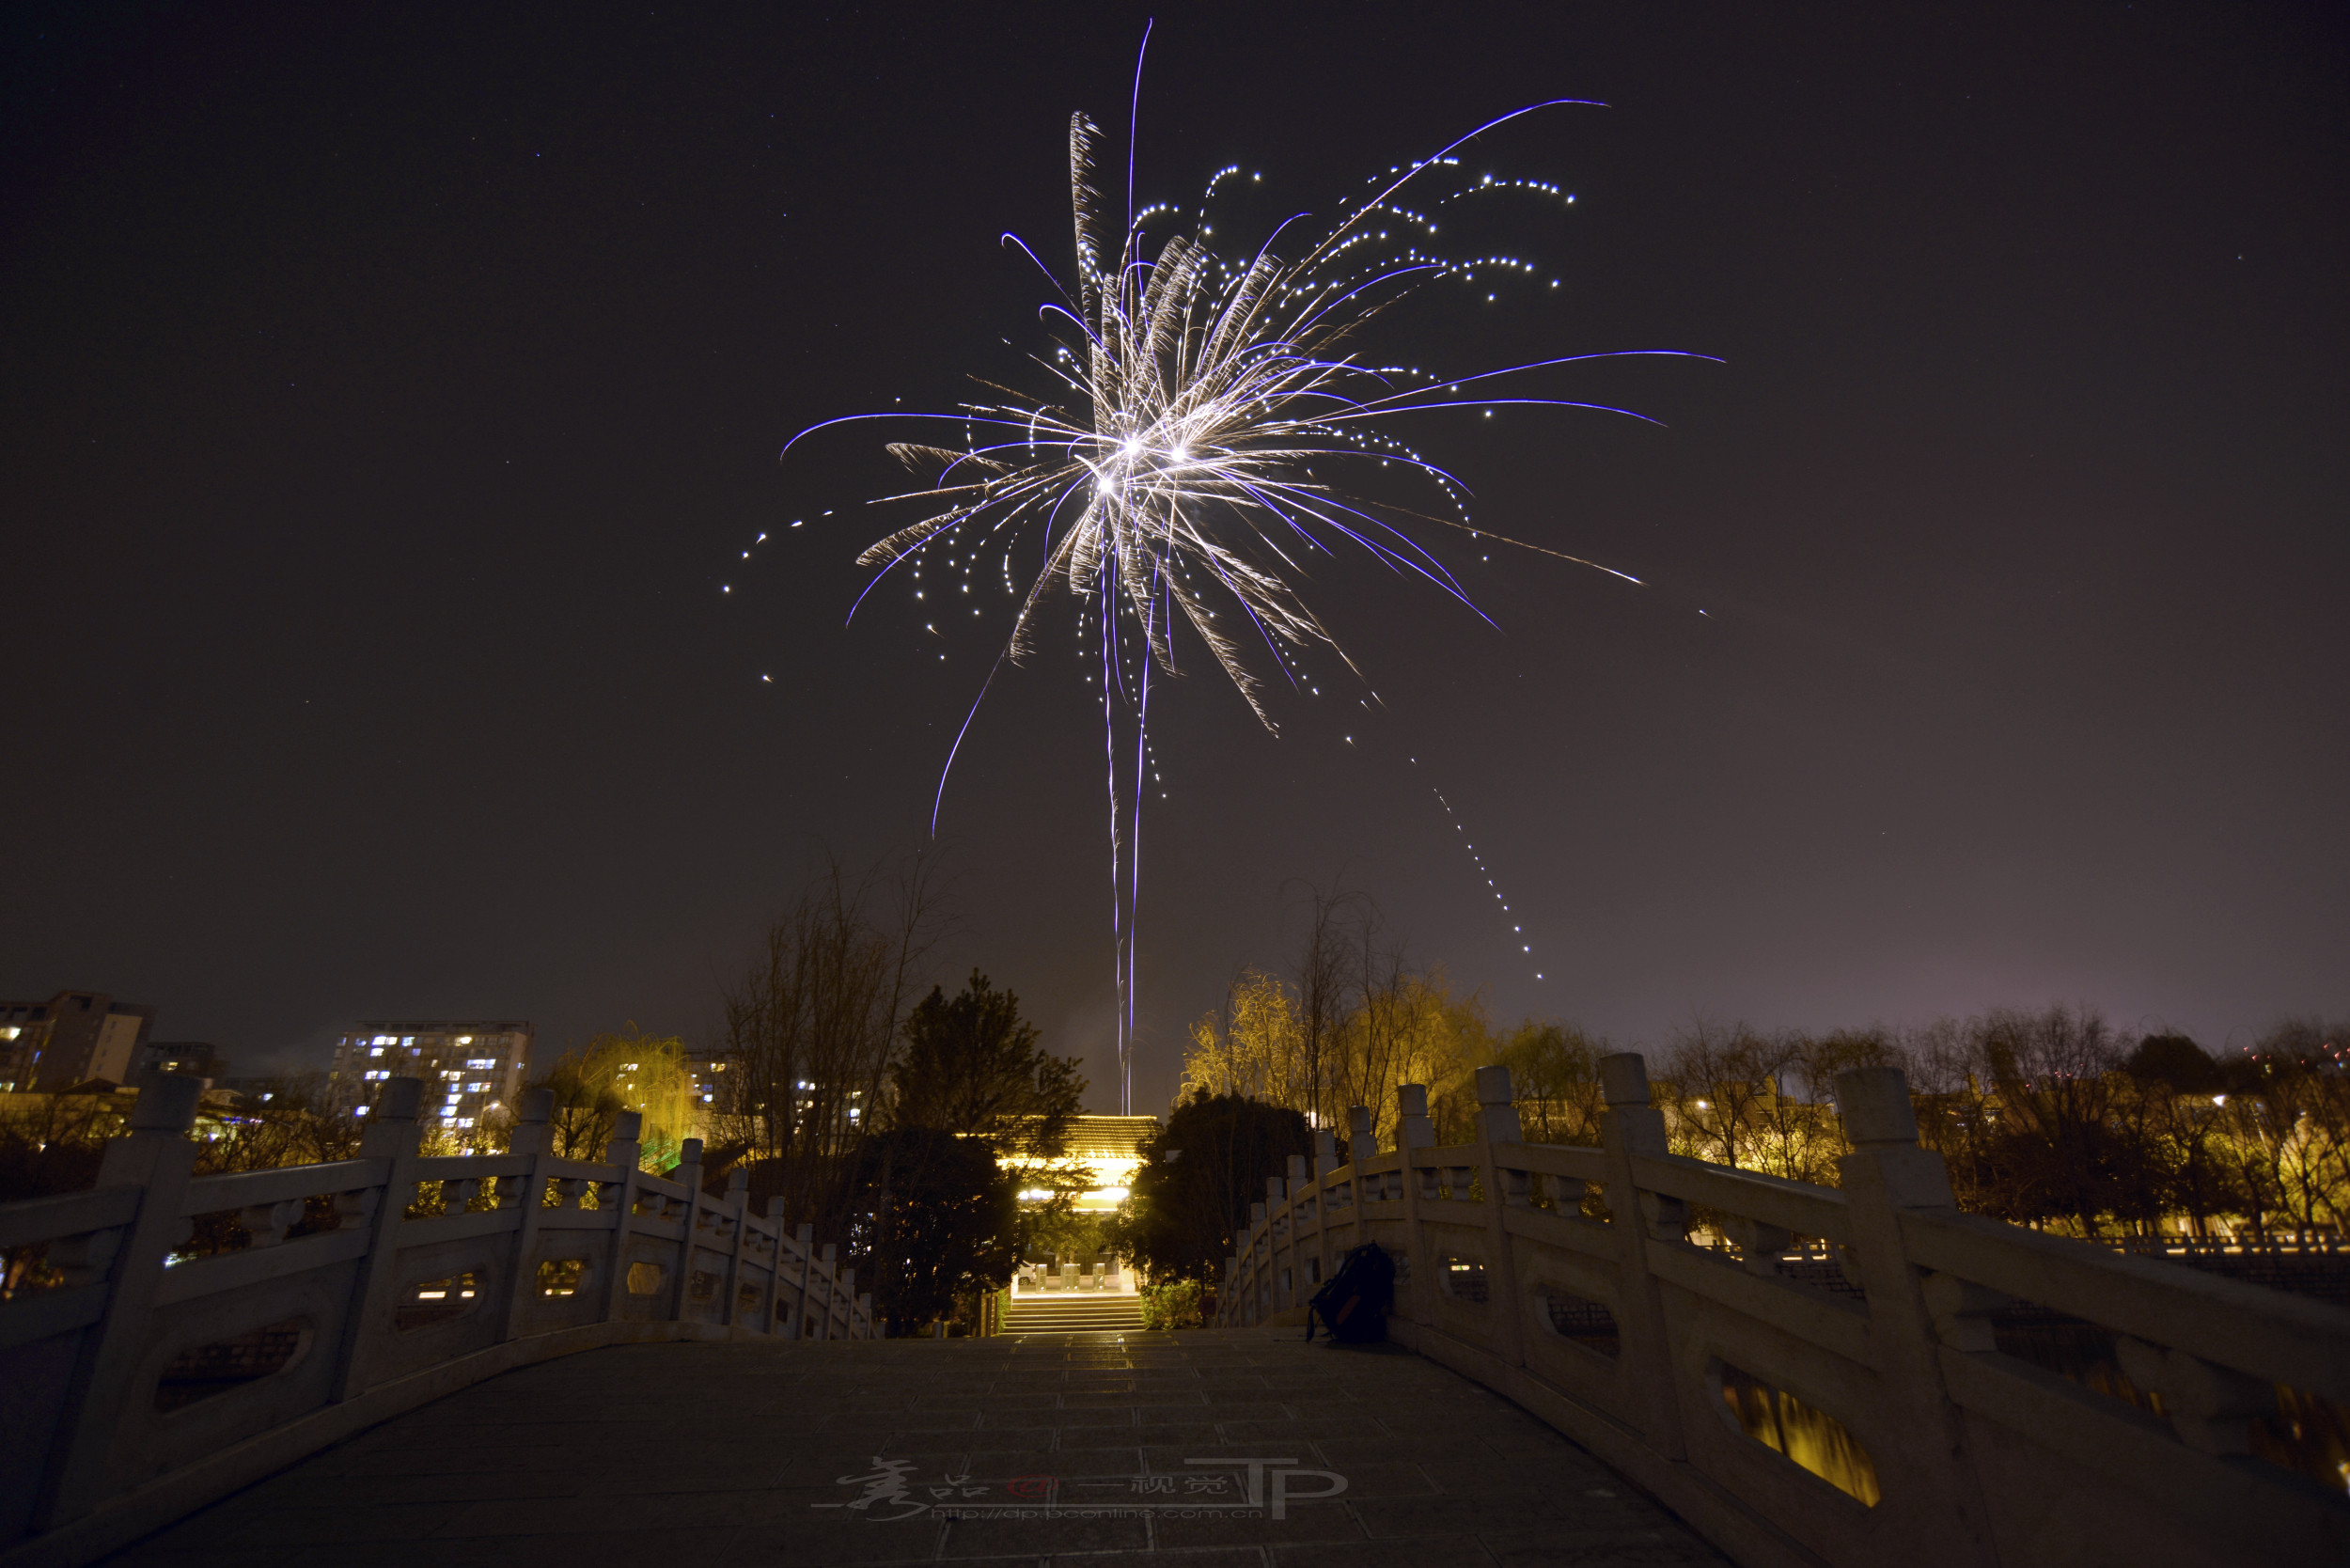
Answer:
x=1719 y=1083
x=1328 y=980
x=281 y=1120
x=1374 y=1045
x=812 y=1026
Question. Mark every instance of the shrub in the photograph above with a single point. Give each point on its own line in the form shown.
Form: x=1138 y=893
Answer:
x=1177 y=1303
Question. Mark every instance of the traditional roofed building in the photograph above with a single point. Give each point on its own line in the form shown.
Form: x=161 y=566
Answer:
x=1108 y=1146
x=1081 y=1290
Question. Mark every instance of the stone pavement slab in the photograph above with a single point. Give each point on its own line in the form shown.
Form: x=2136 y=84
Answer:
x=1212 y=1448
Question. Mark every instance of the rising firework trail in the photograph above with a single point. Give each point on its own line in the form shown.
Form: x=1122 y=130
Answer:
x=1206 y=425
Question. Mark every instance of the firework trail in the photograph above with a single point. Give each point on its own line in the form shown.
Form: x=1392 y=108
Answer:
x=1200 y=419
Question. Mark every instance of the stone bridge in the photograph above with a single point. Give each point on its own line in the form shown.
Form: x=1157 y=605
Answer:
x=519 y=1357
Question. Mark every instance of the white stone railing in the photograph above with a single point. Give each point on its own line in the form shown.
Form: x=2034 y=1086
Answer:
x=1621 y=1333
x=144 y=1385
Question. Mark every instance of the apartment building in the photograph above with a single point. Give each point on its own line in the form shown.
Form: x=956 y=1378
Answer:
x=73 y=1037
x=471 y=1067
x=192 y=1058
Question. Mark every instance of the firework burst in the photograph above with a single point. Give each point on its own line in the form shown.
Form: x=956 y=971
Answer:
x=1207 y=425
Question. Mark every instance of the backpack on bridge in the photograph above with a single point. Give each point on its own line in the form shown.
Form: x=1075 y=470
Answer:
x=1352 y=1304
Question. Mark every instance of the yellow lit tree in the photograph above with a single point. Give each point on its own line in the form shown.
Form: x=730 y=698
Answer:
x=1251 y=1045
x=618 y=1072
x=1404 y=1028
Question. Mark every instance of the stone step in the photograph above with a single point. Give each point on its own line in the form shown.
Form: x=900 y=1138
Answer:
x=1073 y=1314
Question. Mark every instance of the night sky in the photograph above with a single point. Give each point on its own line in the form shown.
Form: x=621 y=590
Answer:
x=389 y=391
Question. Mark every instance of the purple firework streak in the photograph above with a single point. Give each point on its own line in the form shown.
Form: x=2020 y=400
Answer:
x=1201 y=418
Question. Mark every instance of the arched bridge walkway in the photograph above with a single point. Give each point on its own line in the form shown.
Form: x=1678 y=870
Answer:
x=1099 y=1449
x=499 y=1356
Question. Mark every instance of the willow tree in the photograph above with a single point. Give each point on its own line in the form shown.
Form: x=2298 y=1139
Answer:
x=1252 y=1044
x=618 y=1072
x=1402 y=1027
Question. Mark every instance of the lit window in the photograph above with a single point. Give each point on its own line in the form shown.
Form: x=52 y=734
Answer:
x=464 y=1040
x=358 y=1110
x=377 y=1052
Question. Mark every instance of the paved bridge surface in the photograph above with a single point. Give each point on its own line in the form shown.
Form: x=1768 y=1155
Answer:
x=1063 y=1448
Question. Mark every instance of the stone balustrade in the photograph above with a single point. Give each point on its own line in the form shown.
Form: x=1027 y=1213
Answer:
x=1856 y=1329
x=147 y=1383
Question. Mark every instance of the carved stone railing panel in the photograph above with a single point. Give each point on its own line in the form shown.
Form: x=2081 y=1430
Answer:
x=1828 y=1389
x=144 y=1367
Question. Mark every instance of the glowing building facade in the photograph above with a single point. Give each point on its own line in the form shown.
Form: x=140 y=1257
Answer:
x=470 y=1067
x=1110 y=1146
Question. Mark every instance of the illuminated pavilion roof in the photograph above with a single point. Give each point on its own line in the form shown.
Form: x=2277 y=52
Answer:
x=1095 y=1138
x=1111 y=1146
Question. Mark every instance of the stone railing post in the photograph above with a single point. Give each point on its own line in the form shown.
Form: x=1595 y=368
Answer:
x=774 y=1266
x=1886 y=1174
x=1639 y=1221
x=1326 y=1162
x=689 y=1171
x=1413 y=1129
x=1497 y=1123
x=1293 y=1187
x=824 y=1319
x=1260 y=1231
x=625 y=1150
x=533 y=1139
x=804 y=1242
x=1361 y=1144
x=738 y=1209
x=393 y=1133
x=157 y=1156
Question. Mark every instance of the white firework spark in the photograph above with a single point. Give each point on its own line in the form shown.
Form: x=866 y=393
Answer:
x=1202 y=417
